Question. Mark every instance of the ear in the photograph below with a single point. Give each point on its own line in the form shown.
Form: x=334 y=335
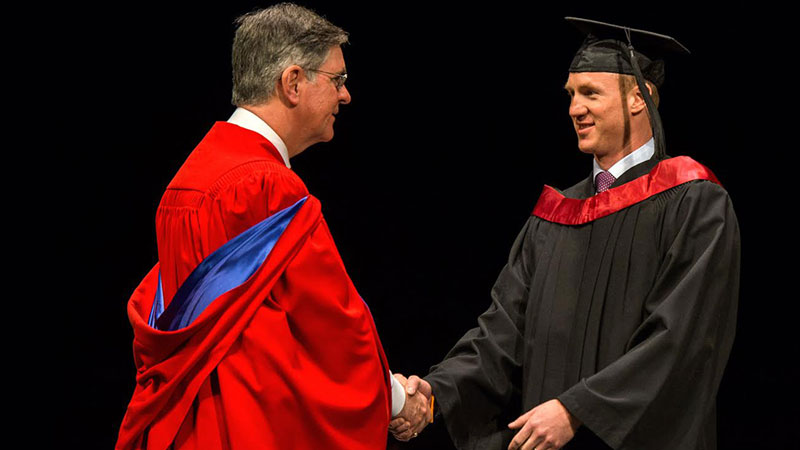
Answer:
x=636 y=103
x=289 y=85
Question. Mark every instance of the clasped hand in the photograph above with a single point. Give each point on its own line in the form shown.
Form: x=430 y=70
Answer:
x=415 y=413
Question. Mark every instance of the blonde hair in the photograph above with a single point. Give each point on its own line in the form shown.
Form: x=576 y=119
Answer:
x=627 y=82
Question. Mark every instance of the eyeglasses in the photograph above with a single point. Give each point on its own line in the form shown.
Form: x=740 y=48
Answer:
x=338 y=78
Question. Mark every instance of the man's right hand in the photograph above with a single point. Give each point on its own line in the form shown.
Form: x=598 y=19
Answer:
x=416 y=413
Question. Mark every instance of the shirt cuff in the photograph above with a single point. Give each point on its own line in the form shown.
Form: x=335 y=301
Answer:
x=398 y=396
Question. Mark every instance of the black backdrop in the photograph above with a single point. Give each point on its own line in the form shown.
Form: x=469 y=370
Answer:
x=458 y=118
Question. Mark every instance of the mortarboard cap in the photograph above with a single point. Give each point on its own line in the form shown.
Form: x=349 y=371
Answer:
x=605 y=49
x=610 y=48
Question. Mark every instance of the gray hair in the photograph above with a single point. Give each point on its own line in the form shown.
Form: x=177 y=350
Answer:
x=268 y=41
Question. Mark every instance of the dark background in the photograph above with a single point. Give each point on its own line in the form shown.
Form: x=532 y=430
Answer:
x=458 y=118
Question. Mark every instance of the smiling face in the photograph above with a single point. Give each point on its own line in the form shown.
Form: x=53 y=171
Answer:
x=320 y=99
x=599 y=113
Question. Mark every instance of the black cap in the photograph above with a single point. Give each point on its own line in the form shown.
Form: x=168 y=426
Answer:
x=610 y=48
x=605 y=49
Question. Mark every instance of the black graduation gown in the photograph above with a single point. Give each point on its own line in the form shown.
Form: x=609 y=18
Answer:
x=628 y=320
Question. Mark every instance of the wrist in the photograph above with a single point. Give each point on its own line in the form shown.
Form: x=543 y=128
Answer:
x=574 y=422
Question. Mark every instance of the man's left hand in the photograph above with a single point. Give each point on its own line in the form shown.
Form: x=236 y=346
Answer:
x=548 y=426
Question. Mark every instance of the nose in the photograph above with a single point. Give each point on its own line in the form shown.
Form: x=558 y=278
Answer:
x=577 y=108
x=344 y=95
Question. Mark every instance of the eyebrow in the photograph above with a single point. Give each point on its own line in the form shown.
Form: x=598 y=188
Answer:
x=583 y=85
x=568 y=88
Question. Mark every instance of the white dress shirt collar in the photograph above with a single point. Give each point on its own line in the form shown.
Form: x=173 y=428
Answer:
x=637 y=156
x=252 y=122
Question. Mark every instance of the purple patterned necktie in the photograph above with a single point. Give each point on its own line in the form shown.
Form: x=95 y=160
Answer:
x=603 y=181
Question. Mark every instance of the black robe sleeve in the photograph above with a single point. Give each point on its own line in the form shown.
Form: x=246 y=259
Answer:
x=477 y=384
x=661 y=393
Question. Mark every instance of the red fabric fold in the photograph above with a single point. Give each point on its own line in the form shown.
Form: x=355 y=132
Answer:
x=552 y=206
x=289 y=359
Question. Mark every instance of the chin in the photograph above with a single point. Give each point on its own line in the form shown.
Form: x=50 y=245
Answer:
x=585 y=147
x=324 y=137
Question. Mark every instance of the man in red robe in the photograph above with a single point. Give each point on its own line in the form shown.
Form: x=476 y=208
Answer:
x=248 y=333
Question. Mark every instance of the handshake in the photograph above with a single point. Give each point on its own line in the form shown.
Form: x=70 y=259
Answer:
x=417 y=412
x=548 y=425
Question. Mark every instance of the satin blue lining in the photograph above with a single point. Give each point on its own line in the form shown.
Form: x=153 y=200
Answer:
x=158 y=304
x=226 y=268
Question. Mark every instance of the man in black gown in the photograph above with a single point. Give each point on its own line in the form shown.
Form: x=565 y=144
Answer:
x=611 y=324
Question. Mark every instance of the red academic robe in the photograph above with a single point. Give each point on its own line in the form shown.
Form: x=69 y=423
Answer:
x=291 y=358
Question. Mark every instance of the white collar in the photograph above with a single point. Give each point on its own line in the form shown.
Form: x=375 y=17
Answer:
x=252 y=122
x=637 y=156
